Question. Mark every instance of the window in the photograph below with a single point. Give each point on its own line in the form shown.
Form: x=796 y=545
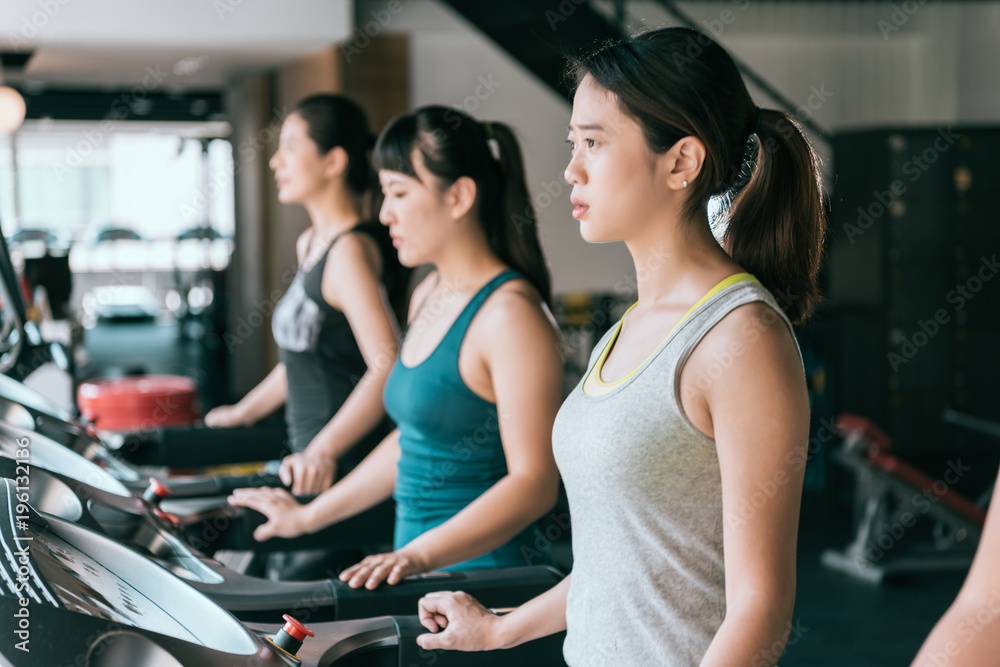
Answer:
x=75 y=180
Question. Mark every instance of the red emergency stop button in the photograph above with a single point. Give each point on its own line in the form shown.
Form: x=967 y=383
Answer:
x=155 y=492
x=290 y=637
x=166 y=516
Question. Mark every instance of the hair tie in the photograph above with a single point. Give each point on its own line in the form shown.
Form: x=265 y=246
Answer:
x=491 y=140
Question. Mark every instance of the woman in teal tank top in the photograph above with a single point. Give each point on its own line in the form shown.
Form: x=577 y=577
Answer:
x=477 y=384
x=449 y=440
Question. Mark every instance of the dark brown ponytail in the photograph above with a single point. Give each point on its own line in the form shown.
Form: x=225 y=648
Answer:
x=453 y=145
x=776 y=222
x=514 y=230
x=678 y=82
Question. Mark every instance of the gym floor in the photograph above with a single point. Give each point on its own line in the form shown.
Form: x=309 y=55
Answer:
x=840 y=621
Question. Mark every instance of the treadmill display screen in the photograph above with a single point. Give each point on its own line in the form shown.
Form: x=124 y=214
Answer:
x=84 y=584
x=50 y=455
x=15 y=391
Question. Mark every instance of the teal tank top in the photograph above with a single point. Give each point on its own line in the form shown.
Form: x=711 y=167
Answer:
x=449 y=441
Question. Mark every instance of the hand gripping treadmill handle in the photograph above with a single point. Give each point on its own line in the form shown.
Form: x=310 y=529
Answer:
x=220 y=485
x=544 y=652
x=505 y=587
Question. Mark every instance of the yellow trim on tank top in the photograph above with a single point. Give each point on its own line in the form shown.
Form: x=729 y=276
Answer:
x=593 y=385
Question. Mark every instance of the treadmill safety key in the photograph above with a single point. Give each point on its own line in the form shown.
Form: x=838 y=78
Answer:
x=167 y=516
x=289 y=638
x=155 y=492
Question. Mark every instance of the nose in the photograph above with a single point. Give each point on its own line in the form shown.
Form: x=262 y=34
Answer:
x=274 y=162
x=384 y=213
x=575 y=174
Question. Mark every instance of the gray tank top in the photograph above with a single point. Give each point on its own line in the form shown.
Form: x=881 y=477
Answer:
x=645 y=496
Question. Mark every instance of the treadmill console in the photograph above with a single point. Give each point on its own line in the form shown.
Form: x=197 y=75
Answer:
x=60 y=564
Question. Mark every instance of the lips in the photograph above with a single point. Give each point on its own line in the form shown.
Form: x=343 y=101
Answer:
x=579 y=208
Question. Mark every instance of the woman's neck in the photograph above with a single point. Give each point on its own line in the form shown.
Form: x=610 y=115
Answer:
x=466 y=263
x=332 y=212
x=672 y=261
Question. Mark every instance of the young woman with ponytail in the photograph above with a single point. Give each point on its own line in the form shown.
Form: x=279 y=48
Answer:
x=682 y=449
x=336 y=322
x=477 y=384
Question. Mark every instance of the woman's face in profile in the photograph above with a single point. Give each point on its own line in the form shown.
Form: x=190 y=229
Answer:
x=298 y=167
x=615 y=177
x=416 y=213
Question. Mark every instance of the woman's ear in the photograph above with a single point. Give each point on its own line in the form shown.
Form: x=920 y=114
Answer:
x=460 y=197
x=684 y=162
x=335 y=163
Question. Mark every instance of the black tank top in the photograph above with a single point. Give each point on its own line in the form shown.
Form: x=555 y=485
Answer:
x=322 y=360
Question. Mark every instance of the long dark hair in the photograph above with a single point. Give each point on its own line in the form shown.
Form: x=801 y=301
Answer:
x=335 y=120
x=678 y=82
x=452 y=145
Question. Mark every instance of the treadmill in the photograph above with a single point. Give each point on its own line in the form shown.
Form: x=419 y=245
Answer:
x=61 y=483
x=76 y=597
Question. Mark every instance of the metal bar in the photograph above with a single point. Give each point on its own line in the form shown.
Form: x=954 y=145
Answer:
x=977 y=424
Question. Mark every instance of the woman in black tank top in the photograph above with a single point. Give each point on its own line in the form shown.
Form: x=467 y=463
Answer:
x=335 y=326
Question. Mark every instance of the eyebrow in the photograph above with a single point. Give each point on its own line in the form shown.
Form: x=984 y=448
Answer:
x=585 y=126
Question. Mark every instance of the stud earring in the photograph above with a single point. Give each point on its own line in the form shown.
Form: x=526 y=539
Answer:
x=685 y=183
